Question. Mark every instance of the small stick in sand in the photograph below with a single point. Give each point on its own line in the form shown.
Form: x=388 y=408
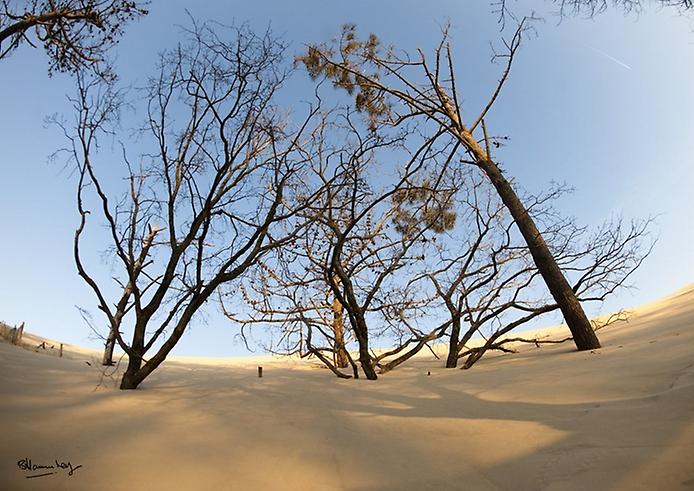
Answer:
x=260 y=372
x=61 y=350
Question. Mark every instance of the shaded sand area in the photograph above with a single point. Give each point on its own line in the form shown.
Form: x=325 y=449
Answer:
x=621 y=417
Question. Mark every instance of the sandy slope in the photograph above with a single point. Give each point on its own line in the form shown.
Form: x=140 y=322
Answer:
x=550 y=418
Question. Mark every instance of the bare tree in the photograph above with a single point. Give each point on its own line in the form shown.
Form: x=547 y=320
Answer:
x=395 y=88
x=75 y=33
x=355 y=253
x=206 y=197
x=490 y=284
x=286 y=289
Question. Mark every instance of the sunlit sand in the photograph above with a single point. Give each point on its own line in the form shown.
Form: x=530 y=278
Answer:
x=621 y=417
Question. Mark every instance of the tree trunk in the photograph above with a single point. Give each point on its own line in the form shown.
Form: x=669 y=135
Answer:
x=367 y=364
x=452 y=359
x=579 y=325
x=136 y=371
x=108 y=350
x=581 y=329
x=341 y=359
x=364 y=356
x=132 y=376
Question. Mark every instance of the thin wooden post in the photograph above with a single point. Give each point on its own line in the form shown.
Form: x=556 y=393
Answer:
x=60 y=355
x=260 y=372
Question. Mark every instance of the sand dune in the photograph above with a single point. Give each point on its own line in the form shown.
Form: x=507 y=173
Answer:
x=621 y=417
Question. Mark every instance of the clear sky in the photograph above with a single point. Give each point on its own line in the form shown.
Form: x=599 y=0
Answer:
x=605 y=105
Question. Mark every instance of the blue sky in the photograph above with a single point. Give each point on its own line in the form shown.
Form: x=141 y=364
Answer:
x=604 y=104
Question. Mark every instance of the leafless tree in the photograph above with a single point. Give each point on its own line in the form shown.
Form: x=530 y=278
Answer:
x=76 y=34
x=490 y=284
x=284 y=289
x=349 y=264
x=207 y=197
x=393 y=89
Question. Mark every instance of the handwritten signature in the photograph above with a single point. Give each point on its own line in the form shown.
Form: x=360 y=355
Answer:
x=26 y=464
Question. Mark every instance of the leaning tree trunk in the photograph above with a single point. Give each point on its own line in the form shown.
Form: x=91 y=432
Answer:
x=581 y=329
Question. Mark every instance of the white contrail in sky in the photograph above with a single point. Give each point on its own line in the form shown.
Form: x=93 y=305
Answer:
x=618 y=62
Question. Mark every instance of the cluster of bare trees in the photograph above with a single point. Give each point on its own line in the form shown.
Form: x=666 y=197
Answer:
x=458 y=272
x=434 y=243
x=335 y=233
x=395 y=89
x=387 y=221
x=343 y=278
